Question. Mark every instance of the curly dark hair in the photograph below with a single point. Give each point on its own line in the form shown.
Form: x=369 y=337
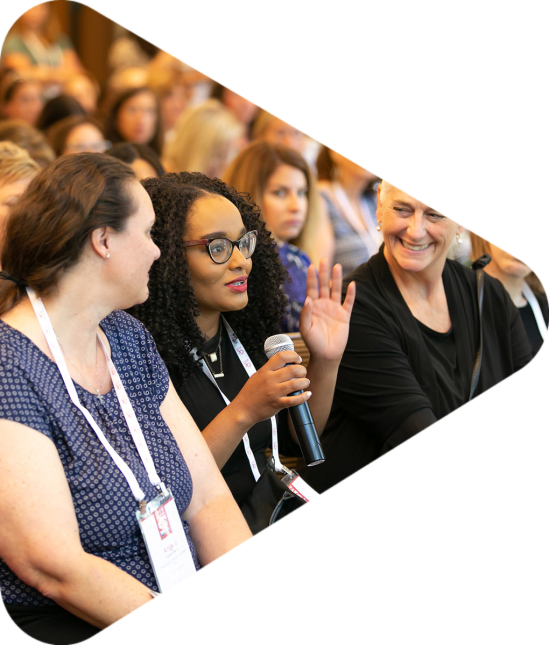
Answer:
x=171 y=310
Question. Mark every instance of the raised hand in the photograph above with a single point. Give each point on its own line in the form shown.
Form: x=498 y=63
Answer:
x=324 y=322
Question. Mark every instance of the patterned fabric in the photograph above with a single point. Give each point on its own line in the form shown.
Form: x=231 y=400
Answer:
x=296 y=262
x=350 y=250
x=32 y=393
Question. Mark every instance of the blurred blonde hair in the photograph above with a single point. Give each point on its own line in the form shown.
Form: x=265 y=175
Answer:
x=480 y=246
x=200 y=135
x=250 y=172
x=15 y=164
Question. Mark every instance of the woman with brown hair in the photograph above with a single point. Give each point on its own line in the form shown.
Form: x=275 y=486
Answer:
x=134 y=117
x=91 y=462
x=280 y=182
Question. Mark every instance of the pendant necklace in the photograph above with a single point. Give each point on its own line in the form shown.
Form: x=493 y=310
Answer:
x=213 y=356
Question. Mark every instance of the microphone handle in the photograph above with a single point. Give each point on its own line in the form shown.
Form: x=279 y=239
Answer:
x=306 y=433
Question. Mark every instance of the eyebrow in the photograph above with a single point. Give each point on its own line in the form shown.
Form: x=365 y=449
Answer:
x=220 y=234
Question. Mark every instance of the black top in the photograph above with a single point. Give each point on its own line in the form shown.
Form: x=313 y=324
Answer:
x=204 y=403
x=530 y=322
x=390 y=382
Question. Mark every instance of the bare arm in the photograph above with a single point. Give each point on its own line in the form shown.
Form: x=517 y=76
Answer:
x=324 y=325
x=216 y=523
x=39 y=538
x=264 y=394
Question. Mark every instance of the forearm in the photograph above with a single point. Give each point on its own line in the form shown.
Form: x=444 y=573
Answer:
x=225 y=432
x=323 y=375
x=91 y=588
x=218 y=527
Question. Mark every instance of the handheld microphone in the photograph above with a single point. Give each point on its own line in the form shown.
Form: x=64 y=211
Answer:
x=300 y=414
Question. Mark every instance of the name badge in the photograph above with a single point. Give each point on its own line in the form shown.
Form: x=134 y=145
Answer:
x=299 y=487
x=166 y=542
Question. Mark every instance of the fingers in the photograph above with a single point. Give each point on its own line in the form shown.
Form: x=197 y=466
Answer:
x=337 y=281
x=292 y=401
x=350 y=297
x=324 y=278
x=305 y=318
x=312 y=282
x=278 y=361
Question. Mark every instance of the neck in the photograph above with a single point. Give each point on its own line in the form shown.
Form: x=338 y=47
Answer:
x=208 y=323
x=513 y=285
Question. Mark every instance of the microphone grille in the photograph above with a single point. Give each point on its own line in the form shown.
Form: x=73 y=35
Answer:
x=279 y=343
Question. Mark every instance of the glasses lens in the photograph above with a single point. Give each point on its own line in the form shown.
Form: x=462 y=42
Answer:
x=220 y=250
x=247 y=244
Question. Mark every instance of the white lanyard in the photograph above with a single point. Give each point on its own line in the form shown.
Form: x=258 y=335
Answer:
x=250 y=369
x=127 y=410
x=367 y=233
x=534 y=304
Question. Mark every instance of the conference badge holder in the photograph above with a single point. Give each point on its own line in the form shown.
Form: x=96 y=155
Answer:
x=165 y=539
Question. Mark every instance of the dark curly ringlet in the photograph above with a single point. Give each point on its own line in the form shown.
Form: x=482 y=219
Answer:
x=54 y=218
x=171 y=310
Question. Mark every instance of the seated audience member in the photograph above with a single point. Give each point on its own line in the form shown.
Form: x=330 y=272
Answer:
x=521 y=284
x=218 y=266
x=77 y=134
x=134 y=117
x=21 y=98
x=16 y=170
x=144 y=161
x=281 y=183
x=85 y=89
x=58 y=108
x=270 y=128
x=28 y=138
x=173 y=95
x=413 y=339
x=36 y=47
x=351 y=203
x=207 y=137
x=245 y=111
x=79 y=239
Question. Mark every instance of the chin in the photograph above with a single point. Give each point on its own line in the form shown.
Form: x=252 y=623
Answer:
x=237 y=304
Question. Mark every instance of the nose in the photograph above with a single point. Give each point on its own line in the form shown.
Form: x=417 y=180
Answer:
x=237 y=260
x=416 y=226
x=294 y=202
x=156 y=253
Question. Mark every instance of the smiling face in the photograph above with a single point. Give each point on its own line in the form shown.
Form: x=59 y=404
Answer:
x=217 y=287
x=416 y=237
x=285 y=202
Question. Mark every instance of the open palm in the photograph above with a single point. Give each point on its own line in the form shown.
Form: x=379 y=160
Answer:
x=324 y=322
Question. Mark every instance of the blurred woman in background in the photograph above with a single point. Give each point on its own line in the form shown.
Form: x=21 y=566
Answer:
x=57 y=108
x=21 y=98
x=206 y=139
x=28 y=138
x=77 y=134
x=134 y=117
x=245 y=111
x=143 y=160
x=521 y=284
x=348 y=191
x=280 y=182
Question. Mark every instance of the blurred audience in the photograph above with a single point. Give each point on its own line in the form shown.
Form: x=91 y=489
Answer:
x=521 y=284
x=173 y=95
x=85 y=89
x=143 y=160
x=16 y=170
x=134 y=117
x=58 y=108
x=207 y=137
x=36 y=47
x=348 y=191
x=77 y=134
x=280 y=182
x=245 y=111
x=20 y=98
x=28 y=138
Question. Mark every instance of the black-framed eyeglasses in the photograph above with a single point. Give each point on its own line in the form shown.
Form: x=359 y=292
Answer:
x=221 y=248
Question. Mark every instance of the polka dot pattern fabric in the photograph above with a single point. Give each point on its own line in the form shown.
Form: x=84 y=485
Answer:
x=32 y=393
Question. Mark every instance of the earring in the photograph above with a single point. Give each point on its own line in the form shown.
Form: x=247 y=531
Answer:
x=378 y=227
x=458 y=238
x=108 y=255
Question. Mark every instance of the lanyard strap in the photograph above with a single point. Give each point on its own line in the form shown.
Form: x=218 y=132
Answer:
x=127 y=410
x=250 y=369
x=534 y=304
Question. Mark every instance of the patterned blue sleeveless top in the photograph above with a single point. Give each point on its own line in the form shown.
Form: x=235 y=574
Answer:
x=32 y=393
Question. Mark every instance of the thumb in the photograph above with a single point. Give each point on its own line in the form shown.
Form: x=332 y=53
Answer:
x=305 y=319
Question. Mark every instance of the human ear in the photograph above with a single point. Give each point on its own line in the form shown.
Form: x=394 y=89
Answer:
x=100 y=239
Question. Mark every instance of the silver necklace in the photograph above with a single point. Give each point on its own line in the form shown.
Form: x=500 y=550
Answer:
x=213 y=356
x=98 y=393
